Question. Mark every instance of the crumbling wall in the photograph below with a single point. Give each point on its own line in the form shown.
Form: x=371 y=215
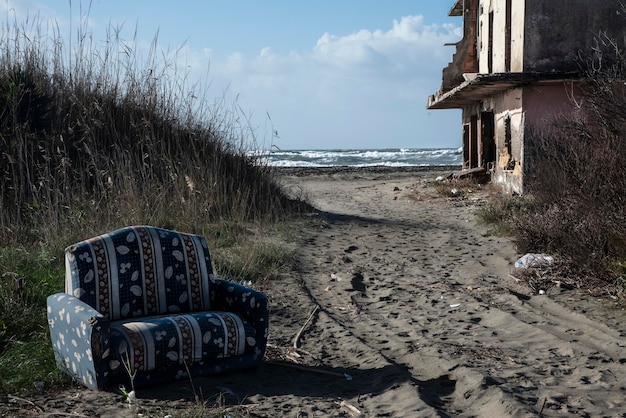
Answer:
x=509 y=140
x=558 y=33
x=465 y=59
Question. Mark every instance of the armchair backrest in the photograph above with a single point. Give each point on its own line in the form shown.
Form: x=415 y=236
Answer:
x=140 y=271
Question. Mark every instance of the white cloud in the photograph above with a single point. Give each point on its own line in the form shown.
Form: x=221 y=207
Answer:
x=346 y=85
x=401 y=48
x=409 y=50
x=235 y=64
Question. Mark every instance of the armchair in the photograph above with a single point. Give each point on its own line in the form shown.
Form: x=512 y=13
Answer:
x=144 y=301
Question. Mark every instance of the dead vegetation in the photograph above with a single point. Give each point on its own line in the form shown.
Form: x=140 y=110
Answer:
x=575 y=207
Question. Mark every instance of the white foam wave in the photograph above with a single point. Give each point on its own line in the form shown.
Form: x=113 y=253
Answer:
x=360 y=158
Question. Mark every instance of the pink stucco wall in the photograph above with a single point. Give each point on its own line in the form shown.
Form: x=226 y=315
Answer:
x=544 y=102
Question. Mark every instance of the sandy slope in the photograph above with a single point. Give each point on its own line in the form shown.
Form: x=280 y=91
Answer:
x=404 y=307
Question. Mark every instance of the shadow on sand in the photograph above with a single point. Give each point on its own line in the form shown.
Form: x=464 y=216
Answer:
x=285 y=379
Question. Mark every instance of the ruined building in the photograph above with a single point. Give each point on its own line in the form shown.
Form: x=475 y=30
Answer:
x=516 y=68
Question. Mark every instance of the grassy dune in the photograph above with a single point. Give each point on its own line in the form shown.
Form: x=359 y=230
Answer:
x=92 y=139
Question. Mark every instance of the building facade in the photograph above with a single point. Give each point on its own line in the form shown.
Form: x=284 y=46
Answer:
x=518 y=66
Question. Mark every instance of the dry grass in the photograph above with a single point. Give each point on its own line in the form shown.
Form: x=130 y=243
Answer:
x=96 y=141
x=93 y=139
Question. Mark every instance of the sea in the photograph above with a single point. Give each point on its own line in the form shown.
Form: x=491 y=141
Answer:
x=390 y=157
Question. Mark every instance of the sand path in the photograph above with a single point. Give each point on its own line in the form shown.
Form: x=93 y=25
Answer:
x=404 y=307
x=415 y=296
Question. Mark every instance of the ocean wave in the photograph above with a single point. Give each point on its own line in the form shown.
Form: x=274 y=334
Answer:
x=398 y=157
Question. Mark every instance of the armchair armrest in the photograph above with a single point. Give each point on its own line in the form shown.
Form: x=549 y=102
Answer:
x=80 y=338
x=249 y=303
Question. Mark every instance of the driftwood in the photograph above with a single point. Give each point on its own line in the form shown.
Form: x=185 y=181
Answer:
x=478 y=174
x=306 y=324
x=290 y=357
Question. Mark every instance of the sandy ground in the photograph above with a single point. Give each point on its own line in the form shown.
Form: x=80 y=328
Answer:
x=403 y=306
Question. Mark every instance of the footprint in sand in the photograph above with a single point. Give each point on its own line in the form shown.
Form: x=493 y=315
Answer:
x=357 y=283
x=351 y=249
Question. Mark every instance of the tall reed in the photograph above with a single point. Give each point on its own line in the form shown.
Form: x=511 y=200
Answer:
x=94 y=135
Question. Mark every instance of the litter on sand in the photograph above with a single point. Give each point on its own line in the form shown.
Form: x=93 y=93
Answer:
x=531 y=260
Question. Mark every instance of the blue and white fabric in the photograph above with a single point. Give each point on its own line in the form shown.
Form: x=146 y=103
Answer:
x=144 y=301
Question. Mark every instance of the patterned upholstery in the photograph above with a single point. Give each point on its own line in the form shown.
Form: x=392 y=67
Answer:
x=140 y=271
x=159 y=339
x=146 y=298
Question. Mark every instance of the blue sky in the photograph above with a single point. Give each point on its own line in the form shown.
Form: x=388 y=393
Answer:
x=329 y=73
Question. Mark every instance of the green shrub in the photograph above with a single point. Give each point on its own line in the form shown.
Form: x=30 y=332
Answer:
x=28 y=277
x=500 y=214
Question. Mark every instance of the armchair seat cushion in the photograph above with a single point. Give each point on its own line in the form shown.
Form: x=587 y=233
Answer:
x=170 y=341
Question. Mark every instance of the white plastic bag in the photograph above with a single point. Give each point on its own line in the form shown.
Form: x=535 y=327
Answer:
x=534 y=261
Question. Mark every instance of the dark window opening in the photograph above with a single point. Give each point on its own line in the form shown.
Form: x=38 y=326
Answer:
x=508 y=138
x=488 y=140
x=490 y=47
